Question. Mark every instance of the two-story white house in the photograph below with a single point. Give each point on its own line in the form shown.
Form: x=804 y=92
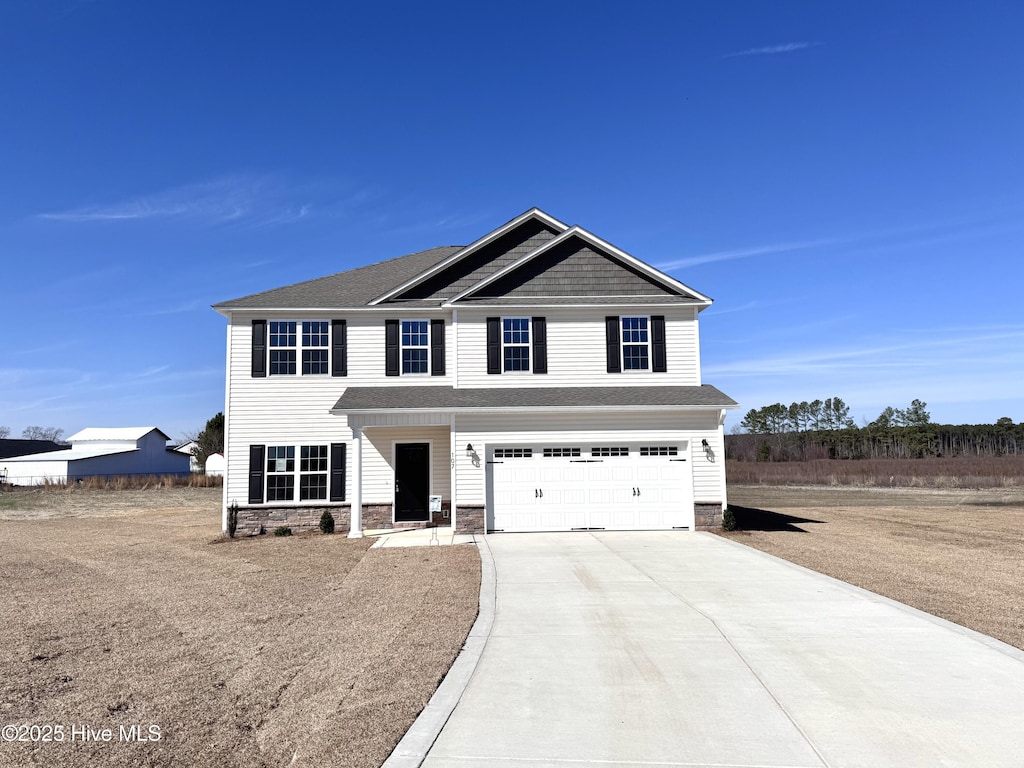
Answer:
x=538 y=379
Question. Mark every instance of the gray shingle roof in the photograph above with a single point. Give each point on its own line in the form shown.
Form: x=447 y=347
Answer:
x=449 y=398
x=570 y=272
x=353 y=288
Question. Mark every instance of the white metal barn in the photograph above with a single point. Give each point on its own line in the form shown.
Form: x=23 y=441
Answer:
x=100 y=452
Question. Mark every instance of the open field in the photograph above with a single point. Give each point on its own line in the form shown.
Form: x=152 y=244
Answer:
x=124 y=608
x=959 y=472
x=958 y=554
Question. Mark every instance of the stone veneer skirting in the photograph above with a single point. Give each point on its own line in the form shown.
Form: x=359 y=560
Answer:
x=469 y=518
x=252 y=519
x=375 y=517
x=707 y=515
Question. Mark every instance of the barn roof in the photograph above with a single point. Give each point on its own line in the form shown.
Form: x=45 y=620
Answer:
x=113 y=434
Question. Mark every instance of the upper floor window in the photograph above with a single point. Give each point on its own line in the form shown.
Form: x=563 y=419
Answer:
x=515 y=343
x=284 y=347
x=314 y=346
x=415 y=346
x=636 y=344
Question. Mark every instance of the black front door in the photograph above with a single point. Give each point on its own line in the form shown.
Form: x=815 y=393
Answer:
x=412 y=482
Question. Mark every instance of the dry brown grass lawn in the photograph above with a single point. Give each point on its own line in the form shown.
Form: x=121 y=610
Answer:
x=958 y=554
x=124 y=607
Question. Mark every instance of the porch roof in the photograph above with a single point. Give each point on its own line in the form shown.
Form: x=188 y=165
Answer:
x=439 y=398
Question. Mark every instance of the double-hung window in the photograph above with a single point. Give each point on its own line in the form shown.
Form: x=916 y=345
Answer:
x=515 y=343
x=314 y=347
x=636 y=344
x=284 y=473
x=415 y=346
x=312 y=472
x=282 y=347
x=285 y=346
x=280 y=472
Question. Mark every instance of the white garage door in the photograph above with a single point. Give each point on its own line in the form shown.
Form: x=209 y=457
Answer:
x=603 y=487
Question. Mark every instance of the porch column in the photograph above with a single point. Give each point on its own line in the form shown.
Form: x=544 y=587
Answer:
x=355 y=530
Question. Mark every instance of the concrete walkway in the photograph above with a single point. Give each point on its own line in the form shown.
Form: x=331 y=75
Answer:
x=680 y=649
x=419 y=537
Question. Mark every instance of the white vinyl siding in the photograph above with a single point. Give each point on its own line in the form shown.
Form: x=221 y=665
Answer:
x=577 y=351
x=378 y=458
x=295 y=410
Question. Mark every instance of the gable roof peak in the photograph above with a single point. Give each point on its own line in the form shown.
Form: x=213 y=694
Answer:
x=601 y=245
x=533 y=214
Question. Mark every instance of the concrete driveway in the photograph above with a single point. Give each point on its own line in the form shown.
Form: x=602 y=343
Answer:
x=681 y=649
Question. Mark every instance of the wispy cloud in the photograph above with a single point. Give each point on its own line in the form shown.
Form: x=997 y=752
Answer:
x=938 y=365
x=771 y=50
x=873 y=242
x=933 y=349
x=225 y=199
x=744 y=253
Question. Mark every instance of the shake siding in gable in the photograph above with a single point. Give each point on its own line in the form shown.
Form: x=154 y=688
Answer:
x=576 y=354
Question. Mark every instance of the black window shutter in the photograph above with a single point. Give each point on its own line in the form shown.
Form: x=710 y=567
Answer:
x=259 y=348
x=339 y=348
x=338 y=471
x=256 y=474
x=658 y=364
x=437 y=347
x=391 y=347
x=494 y=345
x=539 y=327
x=611 y=325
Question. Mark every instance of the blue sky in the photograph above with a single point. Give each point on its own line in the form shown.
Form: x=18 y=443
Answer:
x=846 y=180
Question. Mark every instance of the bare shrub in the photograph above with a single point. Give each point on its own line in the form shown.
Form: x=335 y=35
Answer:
x=134 y=482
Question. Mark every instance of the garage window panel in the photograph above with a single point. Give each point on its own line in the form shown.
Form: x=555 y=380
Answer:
x=609 y=451
x=513 y=453
x=659 y=450
x=561 y=453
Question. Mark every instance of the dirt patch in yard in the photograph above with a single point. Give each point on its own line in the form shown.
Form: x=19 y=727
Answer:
x=124 y=608
x=958 y=554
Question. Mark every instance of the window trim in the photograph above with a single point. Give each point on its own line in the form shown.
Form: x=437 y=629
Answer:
x=286 y=473
x=528 y=345
x=297 y=474
x=402 y=346
x=623 y=344
x=298 y=348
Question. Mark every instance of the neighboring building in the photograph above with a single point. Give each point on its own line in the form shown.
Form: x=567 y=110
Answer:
x=537 y=379
x=187 y=449
x=9 y=447
x=100 y=452
x=215 y=465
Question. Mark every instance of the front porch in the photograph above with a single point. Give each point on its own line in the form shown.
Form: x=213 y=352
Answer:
x=402 y=474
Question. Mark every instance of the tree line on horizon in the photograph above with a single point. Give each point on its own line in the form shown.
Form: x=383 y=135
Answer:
x=823 y=429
